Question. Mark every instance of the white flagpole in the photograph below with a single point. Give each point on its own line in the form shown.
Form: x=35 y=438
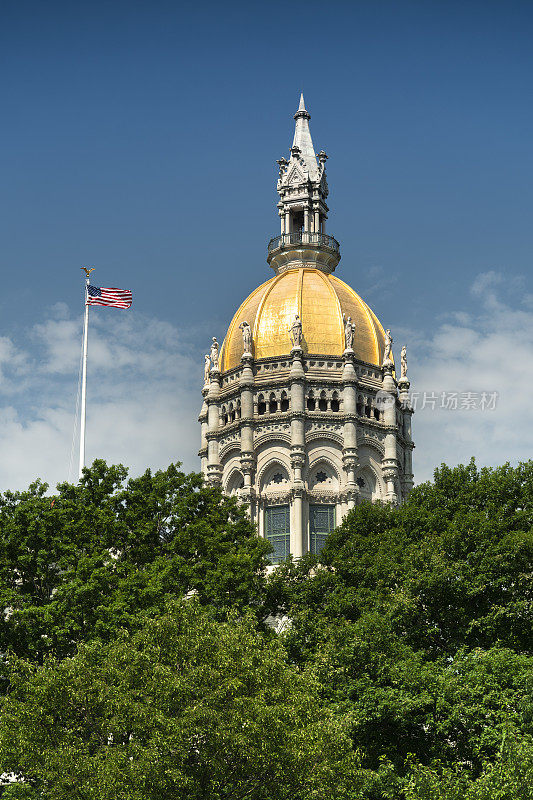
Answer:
x=84 y=382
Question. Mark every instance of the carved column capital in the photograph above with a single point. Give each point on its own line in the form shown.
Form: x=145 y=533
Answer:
x=214 y=474
x=297 y=457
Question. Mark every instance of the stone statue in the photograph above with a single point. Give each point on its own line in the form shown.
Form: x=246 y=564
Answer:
x=387 y=361
x=296 y=331
x=207 y=368
x=214 y=353
x=246 y=336
x=349 y=330
x=403 y=358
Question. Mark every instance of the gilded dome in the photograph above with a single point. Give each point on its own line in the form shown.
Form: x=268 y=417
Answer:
x=320 y=300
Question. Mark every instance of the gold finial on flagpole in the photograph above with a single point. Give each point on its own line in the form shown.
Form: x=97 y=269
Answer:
x=88 y=271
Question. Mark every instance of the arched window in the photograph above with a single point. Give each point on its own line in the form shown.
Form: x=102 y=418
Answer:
x=323 y=403
x=278 y=532
x=224 y=415
x=335 y=402
x=321 y=522
x=261 y=405
x=236 y=482
x=311 y=402
x=322 y=476
x=273 y=404
x=272 y=477
x=368 y=487
x=284 y=402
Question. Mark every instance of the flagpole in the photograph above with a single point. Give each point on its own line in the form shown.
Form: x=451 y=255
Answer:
x=84 y=382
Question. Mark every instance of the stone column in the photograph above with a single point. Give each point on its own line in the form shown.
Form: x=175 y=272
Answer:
x=306 y=219
x=246 y=383
x=214 y=470
x=297 y=390
x=349 y=403
x=390 y=462
x=202 y=419
x=407 y=413
x=316 y=213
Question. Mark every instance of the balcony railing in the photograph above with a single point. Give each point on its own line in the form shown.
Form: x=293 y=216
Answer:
x=303 y=237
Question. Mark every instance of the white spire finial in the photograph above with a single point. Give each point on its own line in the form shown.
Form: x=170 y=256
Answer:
x=302 y=139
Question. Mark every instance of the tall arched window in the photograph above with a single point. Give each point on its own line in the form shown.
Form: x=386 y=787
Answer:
x=278 y=532
x=321 y=522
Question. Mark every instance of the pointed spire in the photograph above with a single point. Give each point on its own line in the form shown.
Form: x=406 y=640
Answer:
x=302 y=139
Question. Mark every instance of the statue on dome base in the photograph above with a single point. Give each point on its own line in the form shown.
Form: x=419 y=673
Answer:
x=296 y=332
x=387 y=360
x=349 y=330
x=207 y=368
x=214 y=354
x=403 y=362
x=246 y=336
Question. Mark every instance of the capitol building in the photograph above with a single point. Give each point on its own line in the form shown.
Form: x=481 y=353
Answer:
x=304 y=415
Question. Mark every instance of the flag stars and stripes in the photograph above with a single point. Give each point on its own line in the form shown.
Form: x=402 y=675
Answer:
x=108 y=296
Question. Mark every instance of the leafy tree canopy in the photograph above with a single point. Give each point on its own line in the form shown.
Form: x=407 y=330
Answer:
x=96 y=557
x=406 y=671
x=187 y=707
x=418 y=621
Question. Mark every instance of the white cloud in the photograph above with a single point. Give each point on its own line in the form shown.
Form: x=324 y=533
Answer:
x=488 y=350
x=145 y=376
x=143 y=396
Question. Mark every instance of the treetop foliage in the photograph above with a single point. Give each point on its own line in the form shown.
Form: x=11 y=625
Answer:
x=93 y=558
x=137 y=663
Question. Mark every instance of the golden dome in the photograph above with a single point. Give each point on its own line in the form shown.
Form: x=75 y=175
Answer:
x=320 y=300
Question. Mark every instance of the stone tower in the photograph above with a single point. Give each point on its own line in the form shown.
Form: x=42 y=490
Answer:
x=303 y=416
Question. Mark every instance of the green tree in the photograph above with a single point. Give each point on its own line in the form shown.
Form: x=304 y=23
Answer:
x=508 y=777
x=95 y=557
x=418 y=621
x=186 y=707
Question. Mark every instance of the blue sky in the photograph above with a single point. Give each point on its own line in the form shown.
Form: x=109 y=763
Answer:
x=142 y=138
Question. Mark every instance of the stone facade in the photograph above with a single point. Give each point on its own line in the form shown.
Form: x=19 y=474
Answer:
x=302 y=437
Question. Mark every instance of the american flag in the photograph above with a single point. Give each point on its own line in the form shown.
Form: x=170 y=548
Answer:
x=118 y=298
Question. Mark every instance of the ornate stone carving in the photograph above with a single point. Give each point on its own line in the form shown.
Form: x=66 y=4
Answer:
x=246 y=337
x=214 y=354
x=327 y=427
x=275 y=498
x=295 y=332
x=387 y=361
x=403 y=359
x=349 y=330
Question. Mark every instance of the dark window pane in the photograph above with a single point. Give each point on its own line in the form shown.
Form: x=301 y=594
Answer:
x=321 y=522
x=277 y=531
